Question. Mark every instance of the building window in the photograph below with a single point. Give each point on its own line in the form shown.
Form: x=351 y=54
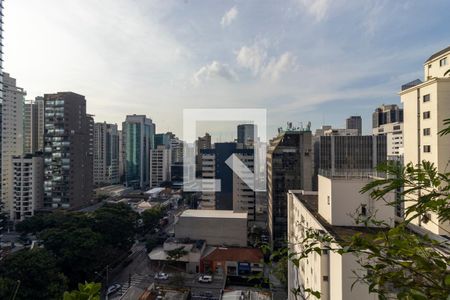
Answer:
x=397 y=127
x=325 y=278
x=426 y=98
x=363 y=210
x=426 y=131
x=328 y=200
x=426 y=114
x=443 y=62
x=426 y=148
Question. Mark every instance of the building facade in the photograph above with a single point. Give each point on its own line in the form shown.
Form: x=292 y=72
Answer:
x=138 y=138
x=28 y=185
x=354 y=122
x=106 y=154
x=12 y=136
x=33 y=125
x=289 y=166
x=426 y=105
x=160 y=162
x=246 y=134
x=68 y=158
x=388 y=121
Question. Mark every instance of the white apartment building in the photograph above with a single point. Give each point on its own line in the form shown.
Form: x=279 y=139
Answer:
x=332 y=211
x=28 y=185
x=426 y=105
x=12 y=135
x=388 y=120
x=160 y=161
x=208 y=171
x=106 y=154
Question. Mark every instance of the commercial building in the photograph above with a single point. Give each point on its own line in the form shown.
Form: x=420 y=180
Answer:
x=2 y=204
x=33 y=125
x=289 y=165
x=246 y=134
x=160 y=162
x=388 y=121
x=216 y=227
x=138 y=138
x=426 y=105
x=106 y=154
x=233 y=261
x=12 y=136
x=354 y=122
x=28 y=185
x=202 y=143
x=67 y=152
x=337 y=210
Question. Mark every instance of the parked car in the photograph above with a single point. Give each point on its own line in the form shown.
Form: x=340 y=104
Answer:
x=113 y=288
x=205 y=279
x=161 y=276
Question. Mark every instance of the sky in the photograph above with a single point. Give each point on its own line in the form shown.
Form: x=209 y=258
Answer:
x=302 y=60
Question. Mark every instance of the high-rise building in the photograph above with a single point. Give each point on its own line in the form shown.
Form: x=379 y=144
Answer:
x=67 y=152
x=246 y=134
x=28 y=184
x=426 y=105
x=160 y=162
x=121 y=157
x=1 y=100
x=347 y=155
x=289 y=166
x=388 y=121
x=106 y=154
x=354 y=122
x=33 y=123
x=138 y=138
x=12 y=135
x=203 y=142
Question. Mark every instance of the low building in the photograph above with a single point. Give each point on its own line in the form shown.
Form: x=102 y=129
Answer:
x=233 y=261
x=246 y=295
x=216 y=227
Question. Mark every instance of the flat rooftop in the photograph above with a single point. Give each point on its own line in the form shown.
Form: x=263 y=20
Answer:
x=340 y=233
x=210 y=213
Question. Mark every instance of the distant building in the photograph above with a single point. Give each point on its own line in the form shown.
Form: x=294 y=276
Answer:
x=67 y=152
x=246 y=134
x=28 y=184
x=354 y=122
x=33 y=125
x=426 y=106
x=289 y=166
x=121 y=157
x=12 y=136
x=202 y=143
x=138 y=138
x=216 y=227
x=160 y=162
x=106 y=154
x=388 y=121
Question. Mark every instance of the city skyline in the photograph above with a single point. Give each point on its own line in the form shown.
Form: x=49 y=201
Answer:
x=157 y=58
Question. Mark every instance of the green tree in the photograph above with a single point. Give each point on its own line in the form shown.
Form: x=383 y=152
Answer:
x=86 y=291
x=151 y=217
x=34 y=272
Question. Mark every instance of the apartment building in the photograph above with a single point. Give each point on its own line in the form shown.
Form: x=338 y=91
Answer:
x=388 y=120
x=354 y=122
x=33 y=125
x=106 y=154
x=160 y=162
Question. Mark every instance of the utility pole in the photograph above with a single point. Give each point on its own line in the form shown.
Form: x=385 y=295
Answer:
x=107 y=276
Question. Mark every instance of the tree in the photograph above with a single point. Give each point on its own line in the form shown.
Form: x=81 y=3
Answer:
x=151 y=217
x=34 y=273
x=176 y=254
x=396 y=260
x=86 y=291
x=151 y=243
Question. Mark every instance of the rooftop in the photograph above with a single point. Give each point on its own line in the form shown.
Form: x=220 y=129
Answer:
x=437 y=54
x=252 y=255
x=340 y=233
x=210 y=213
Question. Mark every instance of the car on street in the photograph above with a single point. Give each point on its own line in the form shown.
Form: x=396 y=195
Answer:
x=161 y=276
x=113 y=288
x=205 y=279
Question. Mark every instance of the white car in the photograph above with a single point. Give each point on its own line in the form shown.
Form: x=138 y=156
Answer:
x=205 y=279
x=113 y=288
x=161 y=276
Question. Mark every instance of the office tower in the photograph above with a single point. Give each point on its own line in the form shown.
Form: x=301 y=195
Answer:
x=28 y=185
x=203 y=142
x=160 y=162
x=347 y=155
x=176 y=150
x=244 y=198
x=106 y=154
x=67 y=152
x=426 y=105
x=12 y=135
x=138 y=138
x=388 y=120
x=121 y=157
x=232 y=190
x=289 y=166
x=33 y=123
x=163 y=139
x=246 y=134
x=354 y=122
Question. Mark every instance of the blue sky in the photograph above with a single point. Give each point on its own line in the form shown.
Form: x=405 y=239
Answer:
x=302 y=60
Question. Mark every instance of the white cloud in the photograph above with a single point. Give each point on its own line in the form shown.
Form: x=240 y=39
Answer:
x=277 y=66
x=256 y=59
x=229 y=16
x=214 y=70
x=317 y=8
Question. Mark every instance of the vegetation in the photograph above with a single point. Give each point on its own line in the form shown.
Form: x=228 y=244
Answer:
x=86 y=291
x=151 y=217
x=77 y=248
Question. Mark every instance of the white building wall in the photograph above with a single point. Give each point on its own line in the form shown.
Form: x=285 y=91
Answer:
x=160 y=161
